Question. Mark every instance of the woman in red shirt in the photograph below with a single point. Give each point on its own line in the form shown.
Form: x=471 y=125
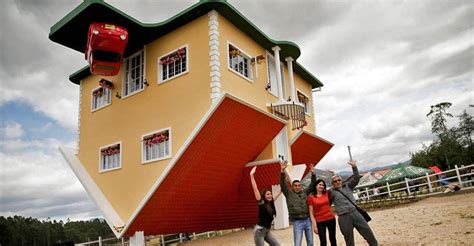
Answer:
x=321 y=214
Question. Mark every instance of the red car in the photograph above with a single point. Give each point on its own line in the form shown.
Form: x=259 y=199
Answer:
x=105 y=46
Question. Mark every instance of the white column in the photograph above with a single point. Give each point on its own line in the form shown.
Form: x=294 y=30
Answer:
x=388 y=189
x=276 y=54
x=457 y=174
x=100 y=241
x=138 y=239
x=367 y=193
x=281 y=219
x=408 y=186
x=430 y=188
x=289 y=64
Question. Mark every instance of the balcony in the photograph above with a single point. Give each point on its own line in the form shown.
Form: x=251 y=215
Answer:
x=290 y=110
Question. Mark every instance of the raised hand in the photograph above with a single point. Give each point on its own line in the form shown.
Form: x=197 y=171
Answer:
x=311 y=167
x=252 y=172
x=353 y=163
x=283 y=165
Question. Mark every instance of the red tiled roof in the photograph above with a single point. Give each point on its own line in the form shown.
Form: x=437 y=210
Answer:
x=307 y=148
x=206 y=189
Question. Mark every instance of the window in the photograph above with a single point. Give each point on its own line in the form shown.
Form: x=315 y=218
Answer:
x=272 y=79
x=303 y=100
x=101 y=97
x=173 y=64
x=110 y=157
x=239 y=62
x=108 y=56
x=156 y=146
x=134 y=73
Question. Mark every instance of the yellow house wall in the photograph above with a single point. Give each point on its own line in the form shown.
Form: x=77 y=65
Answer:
x=253 y=91
x=178 y=103
x=305 y=88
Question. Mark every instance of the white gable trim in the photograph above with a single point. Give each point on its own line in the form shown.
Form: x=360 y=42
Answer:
x=110 y=215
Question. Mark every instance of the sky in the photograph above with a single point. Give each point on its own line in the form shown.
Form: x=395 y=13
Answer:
x=382 y=63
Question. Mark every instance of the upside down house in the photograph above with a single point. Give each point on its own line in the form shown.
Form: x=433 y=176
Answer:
x=200 y=98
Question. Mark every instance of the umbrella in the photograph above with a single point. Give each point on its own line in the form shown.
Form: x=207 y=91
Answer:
x=368 y=179
x=400 y=172
x=435 y=169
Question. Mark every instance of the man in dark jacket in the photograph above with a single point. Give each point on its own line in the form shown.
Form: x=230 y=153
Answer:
x=297 y=206
x=348 y=216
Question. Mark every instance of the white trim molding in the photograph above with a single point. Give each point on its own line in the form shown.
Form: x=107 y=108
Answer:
x=111 y=216
x=107 y=92
x=245 y=55
x=214 y=62
x=170 y=153
x=160 y=67
x=101 y=170
x=309 y=103
x=78 y=140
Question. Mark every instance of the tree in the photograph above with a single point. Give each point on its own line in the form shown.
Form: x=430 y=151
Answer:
x=438 y=115
x=453 y=145
x=438 y=124
x=465 y=130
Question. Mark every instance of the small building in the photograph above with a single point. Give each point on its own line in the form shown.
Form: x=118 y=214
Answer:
x=166 y=145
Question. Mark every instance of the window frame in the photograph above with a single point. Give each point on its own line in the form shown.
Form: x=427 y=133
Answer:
x=142 y=144
x=249 y=65
x=306 y=107
x=103 y=106
x=160 y=67
x=124 y=74
x=282 y=67
x=120 y=157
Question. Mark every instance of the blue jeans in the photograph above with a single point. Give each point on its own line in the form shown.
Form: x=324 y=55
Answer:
x=298 y=227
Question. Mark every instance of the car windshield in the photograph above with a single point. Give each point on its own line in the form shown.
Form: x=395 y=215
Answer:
x=107 y=56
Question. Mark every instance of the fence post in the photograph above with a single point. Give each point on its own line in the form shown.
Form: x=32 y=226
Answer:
x=100 y=241
x=123 y=241
x=408 y=186
x=388 y=189
x=180 y=238
x=457 y=174
x=162 y=240
x=194 y=236
x=430 y=188
x=208 y=235
x=367 y=193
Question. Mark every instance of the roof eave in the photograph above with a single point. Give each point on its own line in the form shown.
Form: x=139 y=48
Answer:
x=141 y=34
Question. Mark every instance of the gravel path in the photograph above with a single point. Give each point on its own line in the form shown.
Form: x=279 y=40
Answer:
x=445 y=220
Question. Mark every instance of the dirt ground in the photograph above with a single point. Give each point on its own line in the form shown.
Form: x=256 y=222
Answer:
x=444 y=220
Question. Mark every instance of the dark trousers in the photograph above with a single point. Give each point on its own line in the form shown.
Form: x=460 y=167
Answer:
x=331 y=226
x=351 y=220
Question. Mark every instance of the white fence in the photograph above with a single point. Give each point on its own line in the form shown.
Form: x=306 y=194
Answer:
x=429 y=183
x=161 y=239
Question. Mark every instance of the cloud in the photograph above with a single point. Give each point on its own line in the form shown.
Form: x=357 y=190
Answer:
x=12 y=130
x=33 y=69
x=37 y=182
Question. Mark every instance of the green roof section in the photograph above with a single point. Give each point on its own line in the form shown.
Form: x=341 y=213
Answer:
x=71 y=30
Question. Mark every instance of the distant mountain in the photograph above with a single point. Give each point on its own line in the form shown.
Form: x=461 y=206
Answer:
x=407 y=162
